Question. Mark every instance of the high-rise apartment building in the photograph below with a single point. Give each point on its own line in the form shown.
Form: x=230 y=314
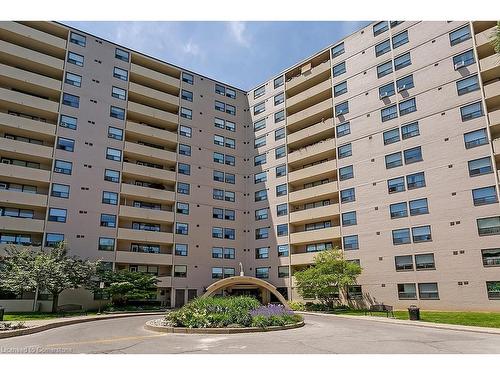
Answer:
x=385 y=144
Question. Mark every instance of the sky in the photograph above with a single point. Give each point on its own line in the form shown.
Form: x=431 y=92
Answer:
x=240 y=53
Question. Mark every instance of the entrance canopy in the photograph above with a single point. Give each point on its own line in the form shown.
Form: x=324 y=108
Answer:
x=236 y=282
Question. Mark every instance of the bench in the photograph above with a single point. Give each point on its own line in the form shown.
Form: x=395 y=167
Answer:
x=380 y=308
x=71 y=308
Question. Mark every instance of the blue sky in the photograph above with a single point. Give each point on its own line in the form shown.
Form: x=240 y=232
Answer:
x=242 y=54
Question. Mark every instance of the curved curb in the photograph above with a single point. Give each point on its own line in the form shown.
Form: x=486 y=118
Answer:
x=151 y=327
x=45 y=327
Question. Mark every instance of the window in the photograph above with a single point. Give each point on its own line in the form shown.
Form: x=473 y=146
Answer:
x=60 y=191
x=401 y=236
x=106 y=244
x=220 y=89
x=467 y=85
x=349 y=218
x=185 y=131
x=354 y=292
x=460 y=35
x=218 y=213
x=280 y=98
x=180 y=270
x=403 y=263
x=281 y=190
x=279 y=152
x=424 y=261
x=405 y=83
x=53 y=239
x=73 y=79
x=400 y=39
x=219 y=106
x=389 y=113
x=230 y=143
x=184 y=169
x=186 y=113
x=115 y=133
x=184 y=150
x=229 y=214
x=480 y=166
x=340 y=89
x=463 y=60
x=231 y=109
x=259 y=108
x=311 y=248
x=281 y=209
x=118 y=93
x=282 y=250
x=283 y=271
x=230 y=93
x=217 y=232
x=181 y=249
x=116 y=112
x=344 y=151
x=391 y=136
x=475 y=138
x=386 y=90
x=407 y=291
x=345 y=173
x=75 y=58
x=338 y=50
x=64 y=167
x=109 y=197
x=187 y=95
x=493 y=289
x=229 y=196
x=282 y=230
x=111 y=175
x=218 y=157
x=258 y=125
x=342 y=109
x=380 y=27
x=260 y=177
x=343 y=129
x=262 y=253
x=488 y=226
x=262 y=272
x=68 y=122
x=428 y=291
x=260 y=195
x=491 y=257
x=398 y=210
x=229 y=234
x=279 y=134
x=229 y=253
x=408 y=106
x=281 y=170
x=258 y=92
x=188 y=78
x=108 y=220
x=57 y=214
x=113 y=154
x=418 y=207
x=229 y=160
x=382 y=48
x=393 y=160
x=71 y=100
x=183 y=188
x=218 y=194
x=279 y=81
x=78 y=39
x=65 y=144
x=421 y=234
x=410 y=130
x=412 y=155
x=259 y=159
x=384 y=69
x=229 y=178
x=121 y=54
x=351 y=242
x=120 y=73
x=486 y=195
x=402 y=61
x=279 y=116
x=261 y=233
x=416 y=180
x=217 y=273
x=339 y=69
x=181 y=228
x=183 y=208
x=219 y=123
x=347 y=195
x=217 y=252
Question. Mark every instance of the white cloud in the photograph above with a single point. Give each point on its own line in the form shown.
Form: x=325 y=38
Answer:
x=191 y=48
x=237 y=31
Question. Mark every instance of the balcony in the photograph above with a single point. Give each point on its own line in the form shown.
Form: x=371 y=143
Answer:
x=317 y=151
x=317 y=74
x=309 y=97
x=37 y=129
x=28 y=81
x=303 y=258
x=143 y=113
x=24 y=173
x=316 y=193
x=150 y=194
x=492 y=93
x=496 y=146
x=148 y=153
x=490 y=67
x=313 y=173
x=17 y=224
x=311 y=134
x=494 y=117
x=12 y=147
x=314 y=214
x=141 y=171
x=15 y=55
x=133 y=257
x=152 y=97
x=32 y=38
x=150 y=134
x=313 y=236
x=153 y=78
x=17 y=102
x=164 y=282
x=312 y=115
x=145 y=236
x=19 y=198
x=483 y=42
x=146 y=214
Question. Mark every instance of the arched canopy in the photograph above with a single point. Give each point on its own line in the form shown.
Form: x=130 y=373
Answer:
x=247 y=281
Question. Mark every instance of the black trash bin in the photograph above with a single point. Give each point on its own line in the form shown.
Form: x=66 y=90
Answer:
x=2 y=311
x=414 y=312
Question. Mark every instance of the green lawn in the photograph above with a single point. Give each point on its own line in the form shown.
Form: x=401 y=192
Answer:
x=24 y=316
x=480 y=319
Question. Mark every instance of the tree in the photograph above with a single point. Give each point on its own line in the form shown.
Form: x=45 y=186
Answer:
x=495 y=41
x=51 y=270
x=327 y=280
x=123 y=286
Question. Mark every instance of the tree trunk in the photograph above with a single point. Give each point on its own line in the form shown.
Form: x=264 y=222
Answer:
x=35 y=300
x=55 y=302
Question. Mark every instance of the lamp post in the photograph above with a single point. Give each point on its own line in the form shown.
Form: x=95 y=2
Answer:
x=101 y=287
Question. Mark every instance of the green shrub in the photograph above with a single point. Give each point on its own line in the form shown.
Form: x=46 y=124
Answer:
x=297 y=306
